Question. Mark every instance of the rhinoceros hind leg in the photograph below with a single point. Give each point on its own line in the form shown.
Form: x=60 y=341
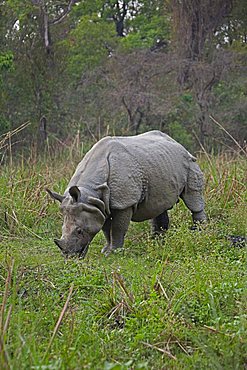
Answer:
x=160 y=223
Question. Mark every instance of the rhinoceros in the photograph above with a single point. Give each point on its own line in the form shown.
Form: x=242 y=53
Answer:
x=123 y=179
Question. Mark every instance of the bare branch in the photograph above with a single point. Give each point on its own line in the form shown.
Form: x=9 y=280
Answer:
x=65 y=13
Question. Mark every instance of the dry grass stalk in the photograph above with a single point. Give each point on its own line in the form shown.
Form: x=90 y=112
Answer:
x=216 y=331
x=15 y=219
x=228 y=133
x=4 y=358
x=5 y=295
x=203 y=149
x=162 y=350
x=120 y=282
x=120 y=308
x=7 y=321
x=59 y=321
x=159 y=288
x=182 y=348
x=5 y=138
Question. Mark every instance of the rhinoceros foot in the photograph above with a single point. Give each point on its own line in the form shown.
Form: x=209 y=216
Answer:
x=105 y=249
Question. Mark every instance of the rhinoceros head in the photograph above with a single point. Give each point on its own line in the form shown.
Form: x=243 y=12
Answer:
x=82 y=221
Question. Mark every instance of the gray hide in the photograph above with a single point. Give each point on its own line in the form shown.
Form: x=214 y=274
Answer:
x=127 y=178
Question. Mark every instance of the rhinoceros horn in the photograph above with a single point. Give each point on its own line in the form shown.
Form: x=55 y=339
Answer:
x=59 y=243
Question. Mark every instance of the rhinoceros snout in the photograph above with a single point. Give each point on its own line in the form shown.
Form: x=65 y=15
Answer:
x=76 y=249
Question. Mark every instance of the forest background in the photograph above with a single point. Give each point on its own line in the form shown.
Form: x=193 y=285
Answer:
x=72 y=72
x=79 y=70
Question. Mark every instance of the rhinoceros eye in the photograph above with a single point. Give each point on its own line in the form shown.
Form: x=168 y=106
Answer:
x=79 y=231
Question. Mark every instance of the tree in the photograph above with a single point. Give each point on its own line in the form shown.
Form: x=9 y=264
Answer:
x=51 y=13
x=111 y=66
x=233 y=33
x=33 y=31
x=196 y=22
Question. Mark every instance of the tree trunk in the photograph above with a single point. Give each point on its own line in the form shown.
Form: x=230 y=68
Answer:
x=42 y=137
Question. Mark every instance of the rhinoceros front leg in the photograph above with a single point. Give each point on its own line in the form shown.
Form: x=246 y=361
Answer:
x=107 y=232
x=195 y=202
x=119 y=226
x=193 y=193
x=160 y=223
x=199 y=216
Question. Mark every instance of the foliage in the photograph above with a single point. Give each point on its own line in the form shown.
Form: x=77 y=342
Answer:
x=173 y=302
x=6 y=61
x=152 y=34
x=6 y=64
x=177 y=131
x=229 y=102
x=89 y=44
x=234 y=32
x=116 y=67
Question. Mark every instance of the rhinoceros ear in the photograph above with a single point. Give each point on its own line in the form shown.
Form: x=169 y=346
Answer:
x=55 y=195
x=105 y=195
x=75 y=193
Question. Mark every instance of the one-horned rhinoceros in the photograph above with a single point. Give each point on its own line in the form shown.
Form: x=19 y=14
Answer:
x=127 y=178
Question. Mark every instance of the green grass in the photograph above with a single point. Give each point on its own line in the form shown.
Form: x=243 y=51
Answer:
x=177 y=302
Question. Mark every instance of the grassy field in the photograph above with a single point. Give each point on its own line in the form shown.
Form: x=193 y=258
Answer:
x=177 y=302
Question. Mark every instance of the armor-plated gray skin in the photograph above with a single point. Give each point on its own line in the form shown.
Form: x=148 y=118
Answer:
x=127 y=178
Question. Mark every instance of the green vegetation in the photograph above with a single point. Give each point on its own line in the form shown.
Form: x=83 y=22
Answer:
x=72 y=72
x=177 y=302
x=124 y=67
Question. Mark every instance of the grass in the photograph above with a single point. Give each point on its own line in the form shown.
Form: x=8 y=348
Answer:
x=177 y=302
